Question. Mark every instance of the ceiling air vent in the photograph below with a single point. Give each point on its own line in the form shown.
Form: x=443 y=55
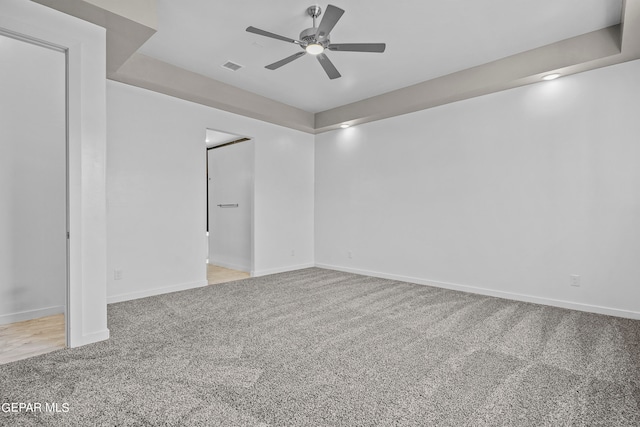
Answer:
x=231 y=66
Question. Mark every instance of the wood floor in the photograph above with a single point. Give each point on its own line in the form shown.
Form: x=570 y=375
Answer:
x=216 y=274
x=32 y=337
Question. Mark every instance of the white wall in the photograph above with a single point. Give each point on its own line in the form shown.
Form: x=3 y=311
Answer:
x=507 y=194
x=157 y=192
x=33 y=224
x=283 y=200
x=85 y=44
x=231 y=182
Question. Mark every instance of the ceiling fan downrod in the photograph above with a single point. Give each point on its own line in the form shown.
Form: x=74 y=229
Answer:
x=314 y=12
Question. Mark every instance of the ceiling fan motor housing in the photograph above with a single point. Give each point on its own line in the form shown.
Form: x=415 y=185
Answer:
x=308 y=36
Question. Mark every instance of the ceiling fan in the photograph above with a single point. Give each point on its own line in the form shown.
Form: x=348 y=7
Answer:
x=315 y=41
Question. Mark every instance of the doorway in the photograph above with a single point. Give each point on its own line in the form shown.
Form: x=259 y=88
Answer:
x=230 y=171
x=33 y=188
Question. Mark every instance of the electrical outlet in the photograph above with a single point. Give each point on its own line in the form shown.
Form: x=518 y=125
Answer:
x=574 y=280
x=350 y=254
x=117 y=274
x=293 y=252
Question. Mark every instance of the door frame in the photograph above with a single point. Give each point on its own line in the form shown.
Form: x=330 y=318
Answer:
x=236 y=138
x=52 y=46
x=87 y=128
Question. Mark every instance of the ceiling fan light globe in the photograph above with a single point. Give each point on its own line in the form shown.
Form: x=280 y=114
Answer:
x=314 y=49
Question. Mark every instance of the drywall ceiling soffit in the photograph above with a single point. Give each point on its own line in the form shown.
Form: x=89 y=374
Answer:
x=127 y=27
x=592 y=50
x=129 y=24
x=150 y=73
x=425 y=40
x=609 y=46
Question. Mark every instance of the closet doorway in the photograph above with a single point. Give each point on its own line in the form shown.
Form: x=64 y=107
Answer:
x=230 y=178
x=33 y=190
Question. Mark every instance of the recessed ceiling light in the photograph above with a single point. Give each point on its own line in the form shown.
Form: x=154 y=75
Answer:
x=551 y=76
x=344 y=125
x=314 y=49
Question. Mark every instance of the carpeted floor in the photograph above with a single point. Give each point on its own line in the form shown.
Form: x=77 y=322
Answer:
x=322 y=348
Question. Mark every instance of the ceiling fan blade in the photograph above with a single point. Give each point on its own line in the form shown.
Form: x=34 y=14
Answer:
x=258 y=31
x=329 y=20
x=358 y=47
x=328 y=66
x=285 y=61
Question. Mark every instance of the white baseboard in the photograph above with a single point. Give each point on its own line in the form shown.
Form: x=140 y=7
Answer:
x=30 y=314
x=259 y=273
x=490 y=292
x=94 y=337
x=229 y=265
x=156 y=291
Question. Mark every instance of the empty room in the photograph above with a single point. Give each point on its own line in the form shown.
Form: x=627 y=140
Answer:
x=376 y=213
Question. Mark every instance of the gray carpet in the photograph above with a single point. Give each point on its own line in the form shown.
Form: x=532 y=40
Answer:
x=322 y=348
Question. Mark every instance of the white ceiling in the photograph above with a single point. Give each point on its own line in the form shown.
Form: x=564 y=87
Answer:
x=425 y=39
